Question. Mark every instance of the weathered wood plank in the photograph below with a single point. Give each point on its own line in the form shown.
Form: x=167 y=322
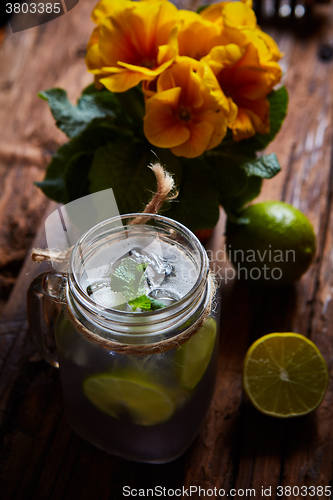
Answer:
x=32 y=60
x=40 y=447
x=237 y=447
x=250 y=450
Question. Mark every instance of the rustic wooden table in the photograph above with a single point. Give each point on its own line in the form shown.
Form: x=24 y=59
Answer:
x=40 y=456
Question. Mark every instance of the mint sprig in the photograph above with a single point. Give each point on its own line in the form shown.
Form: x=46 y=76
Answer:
x=145 y=303
x=128 y=278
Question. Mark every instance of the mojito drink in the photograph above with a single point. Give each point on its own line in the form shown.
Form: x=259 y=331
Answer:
x=140 y=406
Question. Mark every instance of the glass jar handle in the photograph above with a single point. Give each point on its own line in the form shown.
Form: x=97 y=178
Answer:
x=46 y=296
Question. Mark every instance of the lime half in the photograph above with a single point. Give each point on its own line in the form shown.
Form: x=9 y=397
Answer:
x=285 y=375
x=115 y=394
x=194 y=355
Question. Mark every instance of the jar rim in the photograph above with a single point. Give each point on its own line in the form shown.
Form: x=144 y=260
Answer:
x=120 y=316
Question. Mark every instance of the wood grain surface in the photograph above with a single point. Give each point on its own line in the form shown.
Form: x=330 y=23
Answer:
x=40 y=457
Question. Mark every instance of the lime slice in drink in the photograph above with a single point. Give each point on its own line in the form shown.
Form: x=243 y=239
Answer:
x=285 y=375
x=193 y=356
x=117 y=394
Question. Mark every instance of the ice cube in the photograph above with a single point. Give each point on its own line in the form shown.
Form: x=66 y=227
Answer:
x=97 y=285
x=167 y=297
x=135 y=273
x=158 y=268
x=153 y=268
x=101 y=293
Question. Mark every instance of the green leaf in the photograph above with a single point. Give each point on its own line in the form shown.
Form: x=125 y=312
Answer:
x=227 y=174
x=125 y=110
x=265 y=167
x=132 y=103
x=239 y=182
x=197 y=205
x=251 y=189
x=67 y=174
x=236 y=170
x=202 y=7
x=123 y=166
x=145 y=303
x=156 y=304
x=127 y=278
x=74 y=119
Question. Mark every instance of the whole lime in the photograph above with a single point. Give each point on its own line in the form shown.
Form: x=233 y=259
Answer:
x=272 y=242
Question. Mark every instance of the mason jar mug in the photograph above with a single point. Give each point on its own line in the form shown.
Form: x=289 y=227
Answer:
x=134 y=335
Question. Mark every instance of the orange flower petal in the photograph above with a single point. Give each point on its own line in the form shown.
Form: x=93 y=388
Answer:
x=106 y=8
x=242 y=127
x=194 y=27
x=149 y=73
x=185 y=75
x=238 y=15
x=252 y=117
x=162 y=126
x=122 y=81
x=198 y=141
x=197 y=110
x=138 y=36
x=220 y=127
x=247 y=77
x=258 y=111
x=223 y=56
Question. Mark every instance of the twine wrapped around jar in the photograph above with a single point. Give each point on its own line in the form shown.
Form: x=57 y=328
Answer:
x=165 y=186
x=155 y=347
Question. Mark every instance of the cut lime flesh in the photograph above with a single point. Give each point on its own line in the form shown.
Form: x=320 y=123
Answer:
x=146 y=403
x=285 y=375
x=194 y=355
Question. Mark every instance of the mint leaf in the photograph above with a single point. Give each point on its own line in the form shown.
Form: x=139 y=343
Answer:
x=156 y=304
x=142 y=267
x=142 y=302
x=145 y=303
x=265 y=167
x=128 y=278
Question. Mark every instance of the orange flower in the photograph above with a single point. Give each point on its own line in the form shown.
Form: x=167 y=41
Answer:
x=238 y=25
x=234 y=20
x=189 y=113
x=133 y=42
x=248 y=80
x=196 y=36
